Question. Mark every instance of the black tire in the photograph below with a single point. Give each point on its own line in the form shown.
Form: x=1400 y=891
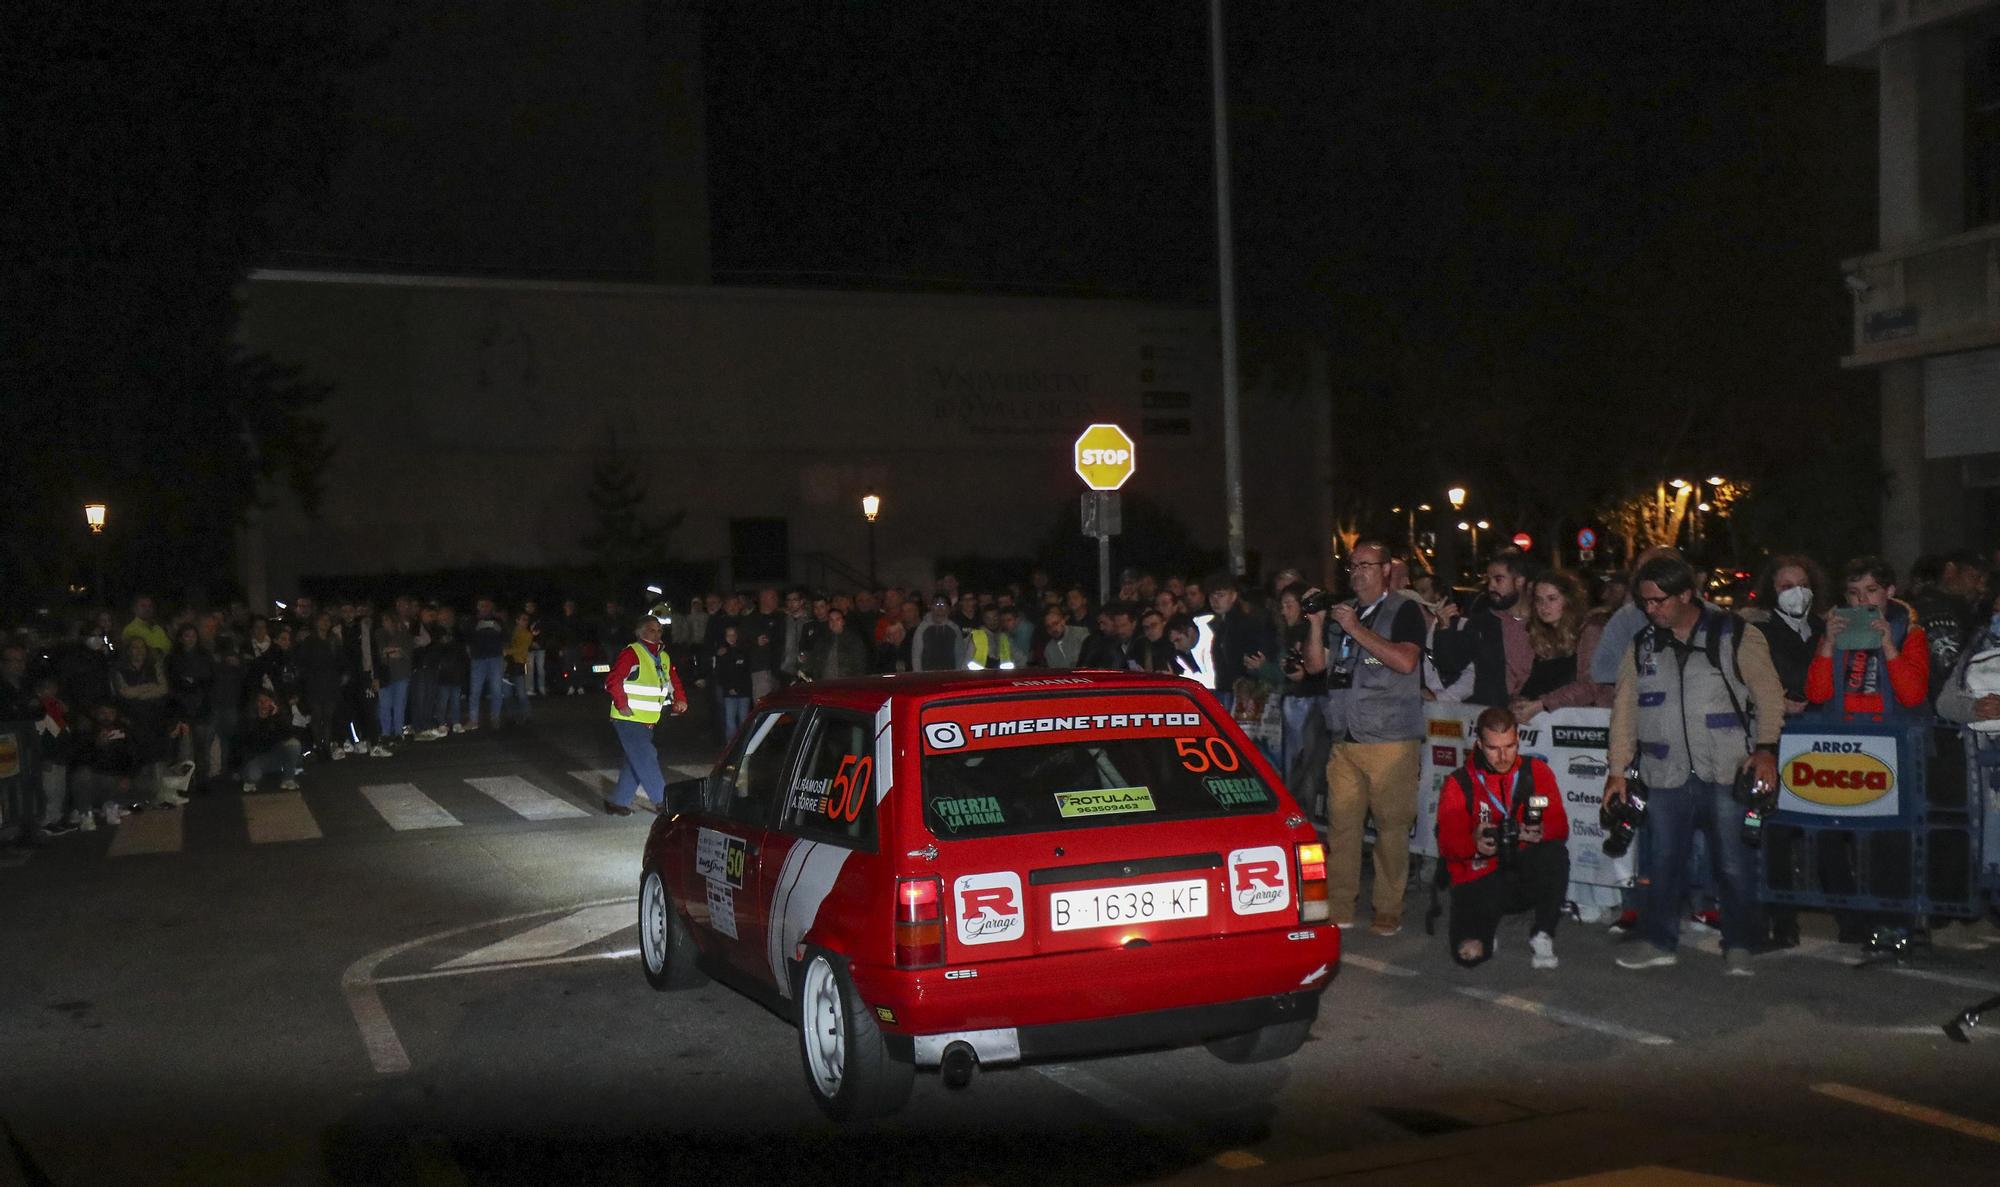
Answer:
x=1264 y=1044
x=848 y=1067
x=666 y=955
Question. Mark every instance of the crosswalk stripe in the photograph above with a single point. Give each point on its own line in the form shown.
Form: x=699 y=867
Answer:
x=148 y=832
x=279 y=816
x=598 y=780
x=406 y=808
x=554 y=938
x=525 y=798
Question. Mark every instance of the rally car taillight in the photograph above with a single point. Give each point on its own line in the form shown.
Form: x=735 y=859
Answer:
x=1312 y=883
x=920 y=923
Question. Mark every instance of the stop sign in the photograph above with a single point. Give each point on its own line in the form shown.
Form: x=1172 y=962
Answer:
x=1104 y=457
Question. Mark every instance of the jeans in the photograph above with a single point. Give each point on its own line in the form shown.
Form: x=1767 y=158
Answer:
x=423 y=699
x=1534 y=881
x=516 y=686
x=537 y=675
x=486 y=675
x=734 y=710
x=642 y=764
x=450 y=704
x=1299 y=712
x=282 y=758
x=1673 y=815
x=391 y=704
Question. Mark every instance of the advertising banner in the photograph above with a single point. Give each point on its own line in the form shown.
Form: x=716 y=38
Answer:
x=1571 y=741
x=1844 y=774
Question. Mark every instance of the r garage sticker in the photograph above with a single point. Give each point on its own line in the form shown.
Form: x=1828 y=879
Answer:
x=988 y=908
x=993 y=725
x=1260 y=880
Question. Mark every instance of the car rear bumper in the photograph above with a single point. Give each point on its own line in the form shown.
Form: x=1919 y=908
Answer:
x=1054 y=1005
x=1127 y=1032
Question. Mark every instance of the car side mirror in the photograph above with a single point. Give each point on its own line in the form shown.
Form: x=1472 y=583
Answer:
x=685 y=795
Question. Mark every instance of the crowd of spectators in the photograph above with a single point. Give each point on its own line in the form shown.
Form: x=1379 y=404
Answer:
x=140 y=714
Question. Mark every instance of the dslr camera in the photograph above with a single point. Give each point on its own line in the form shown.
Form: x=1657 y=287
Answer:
x=1622 y=819
x=1295 y=660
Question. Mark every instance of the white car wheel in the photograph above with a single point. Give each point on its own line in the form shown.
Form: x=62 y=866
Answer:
x=665 y=951
x=848 y=1065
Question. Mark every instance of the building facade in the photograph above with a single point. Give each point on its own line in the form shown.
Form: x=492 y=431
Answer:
x=467 y=416
x=1927 y=299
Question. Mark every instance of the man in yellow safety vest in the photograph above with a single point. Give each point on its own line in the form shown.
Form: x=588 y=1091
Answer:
x=643 y=684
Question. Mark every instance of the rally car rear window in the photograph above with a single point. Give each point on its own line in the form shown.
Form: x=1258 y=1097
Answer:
x=1049 y=764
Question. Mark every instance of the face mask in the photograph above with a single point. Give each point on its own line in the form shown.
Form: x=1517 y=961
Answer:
x=1794 y=602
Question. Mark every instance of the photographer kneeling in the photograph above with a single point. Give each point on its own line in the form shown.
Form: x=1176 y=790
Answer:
x=1504 y=837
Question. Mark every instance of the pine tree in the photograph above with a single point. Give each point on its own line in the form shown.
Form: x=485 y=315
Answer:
x=627 y=539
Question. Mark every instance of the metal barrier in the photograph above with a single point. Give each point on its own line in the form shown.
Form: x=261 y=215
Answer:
x=1886 y=812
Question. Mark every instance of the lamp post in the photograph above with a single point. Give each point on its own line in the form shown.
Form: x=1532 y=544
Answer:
x=871 y=506
x=93 y=514
x=1457 y=496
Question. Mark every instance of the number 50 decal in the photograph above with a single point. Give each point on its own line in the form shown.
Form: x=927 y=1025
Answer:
x=1202 y=754
x=851 y=785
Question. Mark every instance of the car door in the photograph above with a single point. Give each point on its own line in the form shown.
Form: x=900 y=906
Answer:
x=735 y=829
x=827 y=817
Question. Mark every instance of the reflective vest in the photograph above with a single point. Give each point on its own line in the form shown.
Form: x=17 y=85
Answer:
x=648 y=688
x=981 y=638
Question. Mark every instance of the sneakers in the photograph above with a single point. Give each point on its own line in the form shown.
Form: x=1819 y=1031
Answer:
x=1386 y=925
x=467 y=728
x=1736 y=963
x=1703 y=923
x=339 y=752
x=87 y=824
x=1626 y=923
x=1651 y=958
x=289 y=785
x=378 y=751
x=611 y=809
x=112 y=815
x=458 y=728
x=1543 y=946
x=249 y=787
x=432 y=735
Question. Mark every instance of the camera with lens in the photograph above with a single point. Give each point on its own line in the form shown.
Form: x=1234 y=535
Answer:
x=1317 y=602
x=1622 y=818
x=1763 y=802
x=1294 y=661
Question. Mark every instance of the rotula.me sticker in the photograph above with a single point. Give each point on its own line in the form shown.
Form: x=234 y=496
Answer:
x=1107 y=802
x=1232 y=793
x=969 y=811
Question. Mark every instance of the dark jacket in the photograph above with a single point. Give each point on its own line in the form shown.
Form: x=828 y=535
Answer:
x=489 y=637
x=190 y=676
x=729 y=667
x=1237 y=634
x=1481 y=642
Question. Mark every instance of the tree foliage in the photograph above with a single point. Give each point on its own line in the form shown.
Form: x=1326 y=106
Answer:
x=628 y=536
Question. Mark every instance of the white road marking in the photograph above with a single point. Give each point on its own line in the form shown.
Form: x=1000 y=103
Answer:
x=553 y=938
x=278 y=817
x=686 y=770
x=364 y=1000
x=443 y=971
x=406 y=808
x=1109 y=1096
x=598 y=781
x=1910 y=1111
x=1933 y=1031
x=1563 y=1017
x=525 y=798
x=1843 y=954
x=149 y=832
x=1377 y=966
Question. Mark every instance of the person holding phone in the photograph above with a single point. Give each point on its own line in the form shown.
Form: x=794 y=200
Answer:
x=1882 y=648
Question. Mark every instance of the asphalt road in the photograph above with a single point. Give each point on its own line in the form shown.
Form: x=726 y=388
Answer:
x=293 y=989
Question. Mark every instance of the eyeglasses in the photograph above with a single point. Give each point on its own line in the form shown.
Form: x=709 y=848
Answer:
x=1646 y=603
x=1367 y=564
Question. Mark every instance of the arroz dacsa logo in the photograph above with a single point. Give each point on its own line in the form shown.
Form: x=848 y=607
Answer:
x=1260 y=880
x=988 y=908
x=1838 y=780
x=944 y=735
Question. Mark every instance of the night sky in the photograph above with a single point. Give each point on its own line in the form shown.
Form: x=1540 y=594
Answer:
x=1548 y=249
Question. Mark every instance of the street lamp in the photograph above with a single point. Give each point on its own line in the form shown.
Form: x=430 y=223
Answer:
x=871 y=506
x=1678 y=483
x=1715 y=480
x=1457 y=496
x=93 y=514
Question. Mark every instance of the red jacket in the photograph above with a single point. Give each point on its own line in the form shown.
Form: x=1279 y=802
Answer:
x=1909 y=675
x=624 y=665
x=1458 y=829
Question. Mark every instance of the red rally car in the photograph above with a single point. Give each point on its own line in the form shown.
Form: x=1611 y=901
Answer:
x=958 y=870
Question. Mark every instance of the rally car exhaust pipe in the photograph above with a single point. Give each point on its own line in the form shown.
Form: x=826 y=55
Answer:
x=958 y=1064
